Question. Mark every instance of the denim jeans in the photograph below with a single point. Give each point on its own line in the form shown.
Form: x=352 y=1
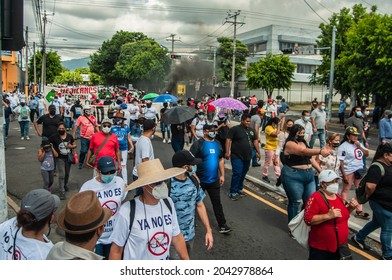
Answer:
x=24 y=128
x=68 y=123
x=239 y=169
x=299 y=185
x=6 y=127
x=103 y=250
x=381 y=218
x=41 y=112
x=320 y=134
x=177 y=145
x=84 y=144
x=165 y=128
x=213 y=191
x=254 y=157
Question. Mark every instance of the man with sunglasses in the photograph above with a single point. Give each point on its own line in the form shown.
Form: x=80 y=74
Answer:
x=109 y=148
x=110 y=191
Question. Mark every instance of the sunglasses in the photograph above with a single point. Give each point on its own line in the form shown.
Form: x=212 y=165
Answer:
x=106 y=125
x=109 y=172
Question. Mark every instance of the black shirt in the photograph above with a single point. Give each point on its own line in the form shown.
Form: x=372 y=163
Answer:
x=60 y=144
x=76 y=110
x=49 y=124
x=242 y=142
x=383 y=193
x=178 y=131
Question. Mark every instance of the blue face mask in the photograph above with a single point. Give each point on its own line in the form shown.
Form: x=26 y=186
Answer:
x=307 y=119
x=201 y=116
x=194 y=169
x=107 y=178
x=359 y=114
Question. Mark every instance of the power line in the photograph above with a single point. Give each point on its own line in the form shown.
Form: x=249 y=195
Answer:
x=314 y=11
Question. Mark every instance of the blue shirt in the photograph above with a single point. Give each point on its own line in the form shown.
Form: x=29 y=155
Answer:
x=342 y=107
x=210 y=152
x=186 y=196
x=122 y=136
x=136 y=132
x=33 y=104
x=385 y=128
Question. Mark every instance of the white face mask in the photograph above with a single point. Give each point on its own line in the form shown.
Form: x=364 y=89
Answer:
x=333 y=188
x=106 y=130
x=212 y=134
x=161 y=191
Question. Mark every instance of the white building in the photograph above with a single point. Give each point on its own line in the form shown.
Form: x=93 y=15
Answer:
x=299 y=44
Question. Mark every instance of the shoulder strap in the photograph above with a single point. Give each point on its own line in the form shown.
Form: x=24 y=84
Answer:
x=103 y=144
x=380 y=166
x=167 y=202
x=89 y=120
x=194 y=181
x=132 y=204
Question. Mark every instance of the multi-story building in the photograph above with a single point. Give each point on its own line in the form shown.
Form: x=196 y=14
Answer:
x=299 y=44
x=10 y=70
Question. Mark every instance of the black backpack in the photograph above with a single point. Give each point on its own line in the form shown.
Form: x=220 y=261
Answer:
x=360 y=192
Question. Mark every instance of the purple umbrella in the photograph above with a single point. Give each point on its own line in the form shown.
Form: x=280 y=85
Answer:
x=229 y=103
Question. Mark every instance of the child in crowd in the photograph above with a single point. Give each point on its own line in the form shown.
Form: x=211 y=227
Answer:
x=46 y=155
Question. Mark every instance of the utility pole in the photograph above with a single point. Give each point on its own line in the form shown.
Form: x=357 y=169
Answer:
x=27 y=65
x=172 y=41
x=43 y=68
x=234 y=22
x=35 y=68
x=331 y=74
x=214 y=72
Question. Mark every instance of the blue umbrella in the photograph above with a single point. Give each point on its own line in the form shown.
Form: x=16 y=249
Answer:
x=165 y=98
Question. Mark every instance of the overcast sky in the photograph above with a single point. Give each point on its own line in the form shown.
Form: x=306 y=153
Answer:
x=81 y=24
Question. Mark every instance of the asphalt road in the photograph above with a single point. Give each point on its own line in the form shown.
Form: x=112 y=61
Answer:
x=258 y=220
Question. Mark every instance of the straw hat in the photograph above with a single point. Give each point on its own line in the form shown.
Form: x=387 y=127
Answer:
x=152 y=171
x=83 y=213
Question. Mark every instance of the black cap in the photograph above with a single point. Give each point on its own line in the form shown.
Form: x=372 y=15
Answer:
x=51 y=107
x=148 y=124
x=184 y=157
x=208 y=126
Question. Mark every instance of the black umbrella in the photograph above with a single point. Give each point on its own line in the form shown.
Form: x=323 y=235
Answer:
x=178 y=114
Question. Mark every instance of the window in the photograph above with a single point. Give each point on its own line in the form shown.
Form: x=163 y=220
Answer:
x=305 y=68
x=261 y=47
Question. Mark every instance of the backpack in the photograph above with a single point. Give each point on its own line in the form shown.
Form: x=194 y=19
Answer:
x=193 y=179
x=361 y=190
x=24 y=113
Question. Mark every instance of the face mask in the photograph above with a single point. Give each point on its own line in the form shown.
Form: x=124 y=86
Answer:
x=194 y=169
x=107 y=178
x=201 y=116
x=61 y=132
x=300 y=138
x=306 y=119
x=288 y=128
x=359 y=114
x=149 y=105
x=323 y=108
x=52 y=112
x=367 y=113
x=106 y=130
x=87 y=112
x=212 y=134
x=118 y=121
x=161 y=191
x=335 y=145
x=333 y=188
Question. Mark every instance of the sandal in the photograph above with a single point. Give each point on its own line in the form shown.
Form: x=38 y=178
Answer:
x=362 y=215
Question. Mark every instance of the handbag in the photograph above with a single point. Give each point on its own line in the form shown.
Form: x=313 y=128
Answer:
x=343 y=249
x=299 y=229
x=93 y=157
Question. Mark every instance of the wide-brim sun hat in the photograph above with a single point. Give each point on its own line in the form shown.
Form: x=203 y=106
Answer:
x=83 y=213
x=152 y=171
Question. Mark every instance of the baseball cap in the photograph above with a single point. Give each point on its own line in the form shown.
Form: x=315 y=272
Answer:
x=45 y=144
x=184 y=157
x=148 y=124
x=87 y=107
x=123 y=106
x=106 y=164
x=352 y=130
x=51 y=107
x=40 y=203
x=387 y=112
x=208 y=126
x=106 y=120
x=327 y=176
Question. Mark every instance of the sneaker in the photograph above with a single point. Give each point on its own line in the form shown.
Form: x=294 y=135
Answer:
x=164 y=141
x=168 y=141
x=27 y=138
x=256 y=165
x=359 y=243
x=242 y=194
x=234 y=197
x=278 y=182
x=21 y=138
x=265 y=179
x=62 y=196
x=224 y=229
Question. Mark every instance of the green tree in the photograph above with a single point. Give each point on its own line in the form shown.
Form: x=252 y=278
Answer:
x=144 y=63
x=69 y=77
x=271 y=72
x=369 y=57
x=53 y=66
x=225 y=58
x=343 y=22
x=104 y=60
